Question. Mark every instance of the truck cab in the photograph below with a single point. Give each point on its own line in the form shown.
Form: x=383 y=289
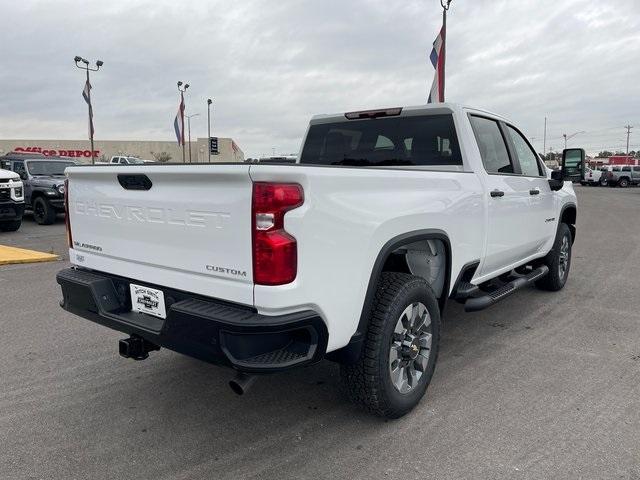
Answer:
x=125 y=160
x=11 y=201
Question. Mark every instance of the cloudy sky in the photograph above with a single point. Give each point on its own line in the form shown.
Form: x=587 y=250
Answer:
x=270 y=65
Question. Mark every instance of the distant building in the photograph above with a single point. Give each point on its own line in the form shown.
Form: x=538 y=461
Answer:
x=144 y=149
x=623 y=160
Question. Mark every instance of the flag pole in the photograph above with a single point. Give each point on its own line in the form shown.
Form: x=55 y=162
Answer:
x=182 y=120
x=182 y=88
x=93 y=159
x=83 y=64
x=445 y=8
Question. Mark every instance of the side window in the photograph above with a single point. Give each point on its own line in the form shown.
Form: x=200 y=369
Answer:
x=636 y=169
x=626 y=169
x=18 y=167
x=615 y=169
x=527 y=157
x=493 y=150
x=123 y=161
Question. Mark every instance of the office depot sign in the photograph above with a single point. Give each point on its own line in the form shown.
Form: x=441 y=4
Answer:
x=59 y=153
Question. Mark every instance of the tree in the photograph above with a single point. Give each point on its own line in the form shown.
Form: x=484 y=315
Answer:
x=161 y=157
x=605 y=153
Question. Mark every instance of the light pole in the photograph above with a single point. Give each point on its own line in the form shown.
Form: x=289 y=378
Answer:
x=189 y=129
x=569 y=137
x=83 y=64
x=182 y=89
x=209 y=102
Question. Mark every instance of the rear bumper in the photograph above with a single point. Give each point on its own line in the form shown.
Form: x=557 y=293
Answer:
x=204 y=328
x=11 y=210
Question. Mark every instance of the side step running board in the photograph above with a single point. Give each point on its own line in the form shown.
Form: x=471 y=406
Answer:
x=488 y=299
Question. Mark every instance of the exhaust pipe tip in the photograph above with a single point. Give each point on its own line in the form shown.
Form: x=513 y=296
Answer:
x=241 y=383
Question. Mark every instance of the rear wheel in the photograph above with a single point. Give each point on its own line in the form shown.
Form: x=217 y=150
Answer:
x=558 y=260
x=603 y=182
x=400 y=350
x=11 y=226
x=43 y=212
x=623 y=183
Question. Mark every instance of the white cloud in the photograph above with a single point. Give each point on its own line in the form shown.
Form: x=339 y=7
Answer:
x=271 y=65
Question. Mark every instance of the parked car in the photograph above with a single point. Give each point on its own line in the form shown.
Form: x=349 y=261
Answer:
x=623 y=175
x=11 y=201
x=350 y=255
x=126 y=160
x=592 y=177
x=43 y=179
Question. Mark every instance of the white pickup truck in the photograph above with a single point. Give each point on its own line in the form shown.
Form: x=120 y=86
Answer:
x=350 y=254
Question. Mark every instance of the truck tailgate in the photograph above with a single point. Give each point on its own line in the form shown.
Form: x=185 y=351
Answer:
x=191 y=230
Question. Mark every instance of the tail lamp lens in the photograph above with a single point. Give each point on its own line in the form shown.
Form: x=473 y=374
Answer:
x=275 y=252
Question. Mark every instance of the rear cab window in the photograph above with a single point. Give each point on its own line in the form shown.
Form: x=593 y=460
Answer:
x=421 y=140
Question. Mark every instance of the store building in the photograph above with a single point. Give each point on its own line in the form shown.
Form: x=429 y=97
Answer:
x=228 y=150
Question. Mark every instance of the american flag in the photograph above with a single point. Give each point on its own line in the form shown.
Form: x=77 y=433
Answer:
x=437 y=60
x=86 y=94
x=178 y=123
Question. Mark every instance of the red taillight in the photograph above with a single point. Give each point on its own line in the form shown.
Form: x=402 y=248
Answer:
x=67 y=220
x=275 y=252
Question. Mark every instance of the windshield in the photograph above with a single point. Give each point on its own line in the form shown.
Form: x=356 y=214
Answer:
x=134 y=160
x=428 y=140
x=47 y=168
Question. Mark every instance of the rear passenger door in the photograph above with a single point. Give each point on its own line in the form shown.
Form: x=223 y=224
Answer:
x=636 y=174
x=509 y=229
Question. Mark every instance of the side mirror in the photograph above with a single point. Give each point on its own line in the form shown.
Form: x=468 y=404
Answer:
x=573 y=164
x=23 y=175
x=557 y=180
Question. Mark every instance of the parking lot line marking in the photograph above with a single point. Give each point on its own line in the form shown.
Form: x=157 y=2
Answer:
x=9 y=255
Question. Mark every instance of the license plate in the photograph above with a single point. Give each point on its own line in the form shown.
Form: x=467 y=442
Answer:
x=147 y=300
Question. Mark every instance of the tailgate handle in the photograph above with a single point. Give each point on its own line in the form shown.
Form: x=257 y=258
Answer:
x=134 y=181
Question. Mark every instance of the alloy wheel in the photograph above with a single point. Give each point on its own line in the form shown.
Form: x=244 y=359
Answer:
x=410 y=347
x=564 y=258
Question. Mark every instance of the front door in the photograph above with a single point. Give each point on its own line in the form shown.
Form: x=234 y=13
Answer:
x=541 y=212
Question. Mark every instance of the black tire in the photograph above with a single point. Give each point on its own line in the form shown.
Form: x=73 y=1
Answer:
x=623 y=183
x=603 y=182
x=43 y=212
x=368 y=382
x=11 y=226
x=558 y=270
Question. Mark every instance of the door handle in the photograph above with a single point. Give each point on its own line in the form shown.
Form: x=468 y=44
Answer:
x=534 y=191
x=497 y=193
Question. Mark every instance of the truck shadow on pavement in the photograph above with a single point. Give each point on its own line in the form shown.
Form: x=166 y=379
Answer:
x=185 y=387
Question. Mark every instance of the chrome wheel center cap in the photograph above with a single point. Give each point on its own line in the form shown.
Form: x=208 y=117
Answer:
x=410 y=347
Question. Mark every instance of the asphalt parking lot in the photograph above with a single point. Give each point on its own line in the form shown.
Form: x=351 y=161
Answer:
x=541 y=385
